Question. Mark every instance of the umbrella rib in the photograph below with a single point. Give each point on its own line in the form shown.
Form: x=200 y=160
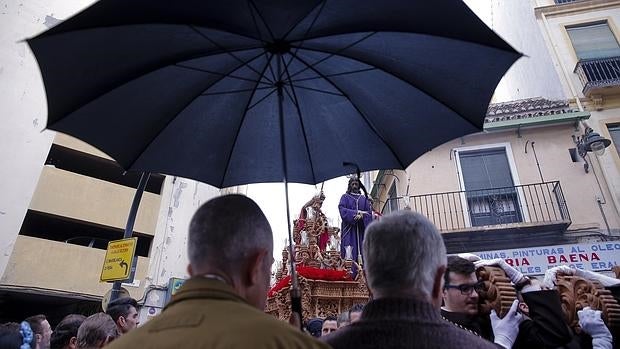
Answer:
x=469 y=42
x=304 y=16
x=223 y=49
x=261 y=99
x=372 y=127
x=184 y=107
x=234 y=91
x=335 y=74
x=307 y=31
x=245 y=113
x=262 y=19
x=146 y=73
x=221 y=74
x=317 y=90
x=301 y=122
x=396 y=77
x=273 y=74
x=329 y=54
x=125 y=25
x=254 y=21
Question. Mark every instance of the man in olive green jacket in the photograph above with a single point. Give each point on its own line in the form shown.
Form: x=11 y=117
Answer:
x=230 y=251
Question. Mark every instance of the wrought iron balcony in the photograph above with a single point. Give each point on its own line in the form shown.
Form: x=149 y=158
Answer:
x=531 y=205
x=598 y=74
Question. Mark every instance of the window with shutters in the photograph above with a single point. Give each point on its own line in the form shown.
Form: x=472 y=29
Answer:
x=593 y=40
x=490 y=193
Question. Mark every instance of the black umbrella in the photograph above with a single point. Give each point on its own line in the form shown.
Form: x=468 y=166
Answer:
x=245 y=91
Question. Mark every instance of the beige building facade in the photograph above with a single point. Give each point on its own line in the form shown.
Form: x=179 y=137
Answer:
x=81 y=202
x=489 y=184
x=522 y=185
x=583 y=40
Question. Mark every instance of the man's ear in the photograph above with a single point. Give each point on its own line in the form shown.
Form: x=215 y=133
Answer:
x=437 y=292
x=254 y=267
x=73 y=342
x=121 y=321
x=38 y=337
x=190 y=270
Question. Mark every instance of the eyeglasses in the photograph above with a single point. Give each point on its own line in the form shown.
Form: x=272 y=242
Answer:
x=467 y=289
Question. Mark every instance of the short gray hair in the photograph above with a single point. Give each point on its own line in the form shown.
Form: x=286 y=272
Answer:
x=403 y=250
x=225 y=229
x=343 y=317
x=95 y=330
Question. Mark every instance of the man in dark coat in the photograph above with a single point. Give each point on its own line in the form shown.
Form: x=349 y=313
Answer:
x=405 y=261
x=544 y=325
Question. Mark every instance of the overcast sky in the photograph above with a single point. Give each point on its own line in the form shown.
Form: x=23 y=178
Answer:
x=270 y=197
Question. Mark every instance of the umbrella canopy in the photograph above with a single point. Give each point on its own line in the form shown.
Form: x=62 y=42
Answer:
x=218 y=90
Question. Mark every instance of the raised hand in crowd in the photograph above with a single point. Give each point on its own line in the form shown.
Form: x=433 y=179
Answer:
x=591 y=323
x=506 y=329
x=469 y=256
x=515 y=276
x=550 y=279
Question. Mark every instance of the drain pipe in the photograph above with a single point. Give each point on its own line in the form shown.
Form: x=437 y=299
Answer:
x=600 y=200
x=542 y=180
x=600 y=207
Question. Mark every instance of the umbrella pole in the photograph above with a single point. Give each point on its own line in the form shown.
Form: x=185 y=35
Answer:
x=131 y=219
x=295 y=291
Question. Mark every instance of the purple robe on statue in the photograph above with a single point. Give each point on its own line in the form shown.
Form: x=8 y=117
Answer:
x=352 y=232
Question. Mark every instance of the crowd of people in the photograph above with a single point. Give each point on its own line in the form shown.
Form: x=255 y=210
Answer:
x=318 y=327
x=420 y=298
x=74 y=330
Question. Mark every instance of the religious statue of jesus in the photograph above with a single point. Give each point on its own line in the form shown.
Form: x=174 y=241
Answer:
x=356 y=213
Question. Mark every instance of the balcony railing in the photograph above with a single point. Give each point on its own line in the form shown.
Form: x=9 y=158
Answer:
x=531 y=205
x=598 y=73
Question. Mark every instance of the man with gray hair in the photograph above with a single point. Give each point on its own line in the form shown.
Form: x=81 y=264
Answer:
x=405 y=261
x=230 y=248
x=343 y=319
x=96 y=331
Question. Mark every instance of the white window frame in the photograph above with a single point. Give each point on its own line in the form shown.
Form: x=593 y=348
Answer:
x=513 y=172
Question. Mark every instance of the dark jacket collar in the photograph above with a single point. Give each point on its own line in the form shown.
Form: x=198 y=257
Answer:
x=400 y=308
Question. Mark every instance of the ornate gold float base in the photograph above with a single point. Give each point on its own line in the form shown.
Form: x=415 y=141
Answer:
x=319 y=298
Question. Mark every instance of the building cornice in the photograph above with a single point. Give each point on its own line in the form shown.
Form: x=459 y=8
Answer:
x=575 y=7
x=529 y=110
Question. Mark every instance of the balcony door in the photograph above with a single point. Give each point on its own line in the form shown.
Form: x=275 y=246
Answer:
x=490 y=192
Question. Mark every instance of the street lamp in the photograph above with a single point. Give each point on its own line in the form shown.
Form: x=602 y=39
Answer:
x=590 y=142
